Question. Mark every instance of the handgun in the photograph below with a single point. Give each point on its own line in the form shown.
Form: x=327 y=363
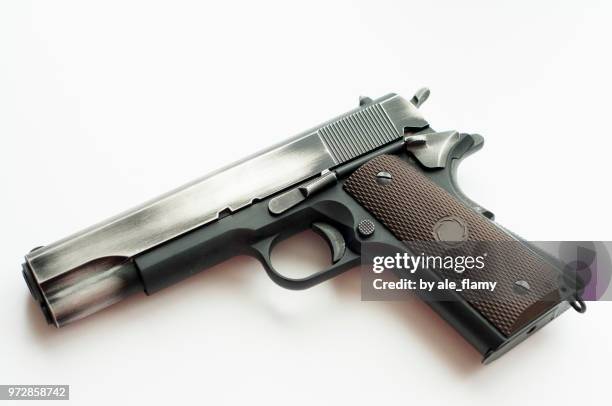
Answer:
x=378 y=175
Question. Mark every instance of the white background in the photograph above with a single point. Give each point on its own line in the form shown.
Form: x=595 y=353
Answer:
x=106 y=104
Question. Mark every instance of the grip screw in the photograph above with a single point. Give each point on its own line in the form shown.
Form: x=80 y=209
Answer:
x=521 y=287
x=366 y=228
x=383 y=178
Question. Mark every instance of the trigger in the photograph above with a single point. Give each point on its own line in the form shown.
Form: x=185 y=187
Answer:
x=334 y=239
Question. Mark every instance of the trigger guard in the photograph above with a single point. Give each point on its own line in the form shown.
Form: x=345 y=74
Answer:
x=343 y=259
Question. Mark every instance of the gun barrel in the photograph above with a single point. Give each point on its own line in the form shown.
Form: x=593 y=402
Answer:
x=79 y=293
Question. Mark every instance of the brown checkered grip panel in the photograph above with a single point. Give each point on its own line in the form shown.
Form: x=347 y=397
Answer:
x=411 y=207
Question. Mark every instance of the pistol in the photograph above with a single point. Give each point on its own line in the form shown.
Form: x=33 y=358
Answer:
x=378 y=175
